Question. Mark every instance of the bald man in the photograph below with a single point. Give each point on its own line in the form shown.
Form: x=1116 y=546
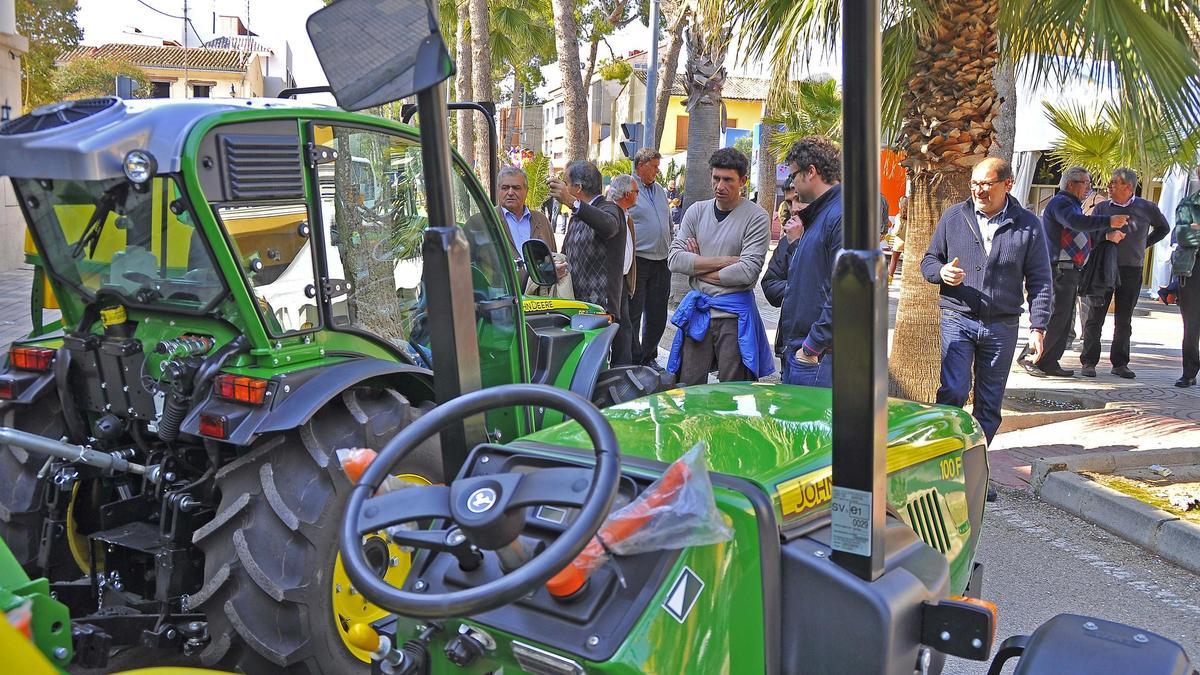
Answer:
x=987 y=254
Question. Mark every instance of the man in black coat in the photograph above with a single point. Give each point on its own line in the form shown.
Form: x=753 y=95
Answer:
x=1146 y=226
x=1069 y=244
x=593 y=248
x=987 y=254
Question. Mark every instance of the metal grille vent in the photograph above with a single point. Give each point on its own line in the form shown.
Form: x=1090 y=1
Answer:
x=259 y=166
x=925 y=515
x=56 y=115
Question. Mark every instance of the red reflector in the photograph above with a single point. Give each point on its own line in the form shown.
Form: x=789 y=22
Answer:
x=212 y=425
x=31 y=358
x=8 y=389
x=241 y=388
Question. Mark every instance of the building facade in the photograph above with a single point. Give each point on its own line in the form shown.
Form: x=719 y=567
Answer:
x=12 y=48
x=186 y=72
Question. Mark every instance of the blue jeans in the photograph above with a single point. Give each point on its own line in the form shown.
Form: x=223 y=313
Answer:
x=979 y=348
x=819 y=374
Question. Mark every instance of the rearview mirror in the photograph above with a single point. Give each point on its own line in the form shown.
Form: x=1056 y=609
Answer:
x=539 y=262
x=376 y=51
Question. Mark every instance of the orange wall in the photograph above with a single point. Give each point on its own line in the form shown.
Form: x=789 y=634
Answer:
x=892 y=177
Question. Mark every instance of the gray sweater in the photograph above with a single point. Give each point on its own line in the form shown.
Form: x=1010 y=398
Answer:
x=745 y=233
x=651 y=222
x=1146 y=227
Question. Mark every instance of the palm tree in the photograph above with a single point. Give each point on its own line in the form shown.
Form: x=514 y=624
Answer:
x=939 y=100
x=708 y=39
x=675 y=13
x=463 y=89
x=481 y=80
x=566 y=39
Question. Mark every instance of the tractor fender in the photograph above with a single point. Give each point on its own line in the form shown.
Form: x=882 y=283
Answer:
x=298 y=396
x=31 y=385
x=592 y=361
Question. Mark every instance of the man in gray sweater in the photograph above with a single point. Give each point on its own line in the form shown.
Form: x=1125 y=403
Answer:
x=1146 y=227
x=721 y=246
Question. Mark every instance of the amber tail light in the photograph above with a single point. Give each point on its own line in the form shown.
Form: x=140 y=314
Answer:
x=31 y=358
x=241 y=388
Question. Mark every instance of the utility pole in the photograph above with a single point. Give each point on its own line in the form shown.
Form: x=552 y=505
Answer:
x=186 y=92
x=652 y=77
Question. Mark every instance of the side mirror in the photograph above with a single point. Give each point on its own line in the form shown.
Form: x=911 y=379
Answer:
x=377 y=51
x=539 y=262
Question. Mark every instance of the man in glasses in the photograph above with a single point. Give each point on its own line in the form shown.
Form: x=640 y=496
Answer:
x=1069 y=244
x=987 y=253
x=1146 y=226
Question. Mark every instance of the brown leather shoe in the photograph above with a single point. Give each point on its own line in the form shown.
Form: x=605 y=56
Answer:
x=1123 y=371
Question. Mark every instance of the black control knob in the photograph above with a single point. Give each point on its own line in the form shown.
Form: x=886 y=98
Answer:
x=463 y=650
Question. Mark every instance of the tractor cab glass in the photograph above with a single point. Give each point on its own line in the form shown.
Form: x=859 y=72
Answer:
x=139 y=243
x=374 y=216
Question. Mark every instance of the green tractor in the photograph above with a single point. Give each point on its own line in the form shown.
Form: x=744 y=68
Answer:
x=242 y=290
x=248 y=287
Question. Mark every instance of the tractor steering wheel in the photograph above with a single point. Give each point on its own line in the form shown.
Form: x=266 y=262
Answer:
x=483 y=512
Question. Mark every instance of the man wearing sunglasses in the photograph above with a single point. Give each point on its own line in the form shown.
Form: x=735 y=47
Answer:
x=987 y=254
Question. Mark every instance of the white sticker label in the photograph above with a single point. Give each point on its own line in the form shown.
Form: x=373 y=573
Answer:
x=683 y=594
x=851 y=512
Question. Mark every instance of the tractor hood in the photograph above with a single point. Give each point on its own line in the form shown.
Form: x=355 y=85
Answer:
x=771 y=434
x=88 y=139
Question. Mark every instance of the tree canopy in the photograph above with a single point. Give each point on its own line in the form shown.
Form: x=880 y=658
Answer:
x=91 y=78
x=52 y=29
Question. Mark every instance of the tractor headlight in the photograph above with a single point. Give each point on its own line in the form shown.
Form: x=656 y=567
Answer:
x=140 y=166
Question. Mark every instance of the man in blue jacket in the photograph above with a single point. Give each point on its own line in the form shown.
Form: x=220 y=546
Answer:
x=987 y=253
x=1069 y=245
x=806 y=319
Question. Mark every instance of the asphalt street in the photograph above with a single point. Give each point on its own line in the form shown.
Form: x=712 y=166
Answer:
x=1040 y=562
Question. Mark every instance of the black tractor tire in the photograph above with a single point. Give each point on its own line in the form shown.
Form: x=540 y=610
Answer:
x=625 y=383
x=22 y=494
x=270 y=549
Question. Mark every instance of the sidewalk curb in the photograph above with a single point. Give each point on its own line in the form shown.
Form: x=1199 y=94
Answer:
x=1155 y=530
x=1108 y=462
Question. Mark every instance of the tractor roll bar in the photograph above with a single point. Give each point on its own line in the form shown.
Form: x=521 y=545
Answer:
x=488 y=108
x=860 y=305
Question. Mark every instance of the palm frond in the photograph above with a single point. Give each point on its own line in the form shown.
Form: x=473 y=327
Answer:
x=1144 y=48
x=1087 y=140
x=807 y=107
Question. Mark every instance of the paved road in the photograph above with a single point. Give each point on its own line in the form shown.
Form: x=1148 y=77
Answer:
x=1040 y=562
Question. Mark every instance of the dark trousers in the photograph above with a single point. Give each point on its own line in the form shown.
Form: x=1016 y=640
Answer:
x=1097 y=309
x=1062 y=316
x=819 y=374
x=622 y=347
x=650 y=297
x=1189 y=307
x=719 y=347
x=971 y=347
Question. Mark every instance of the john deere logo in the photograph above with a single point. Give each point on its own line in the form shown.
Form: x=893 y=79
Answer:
x=481 y=500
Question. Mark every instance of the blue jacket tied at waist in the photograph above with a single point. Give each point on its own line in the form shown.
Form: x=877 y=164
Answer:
x=692 y=319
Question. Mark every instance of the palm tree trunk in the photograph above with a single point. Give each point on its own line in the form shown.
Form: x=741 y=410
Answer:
x=666 y=73
x=516 y=116
x=766 y=170
x=566 y=39
x=704 y=135
x=481 y=80
x=915 y=363
x=1005 y=77
x=948 y=129
x=462 y=86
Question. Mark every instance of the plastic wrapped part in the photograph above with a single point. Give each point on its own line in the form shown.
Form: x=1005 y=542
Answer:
x=677 y=511
x=355 y=461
